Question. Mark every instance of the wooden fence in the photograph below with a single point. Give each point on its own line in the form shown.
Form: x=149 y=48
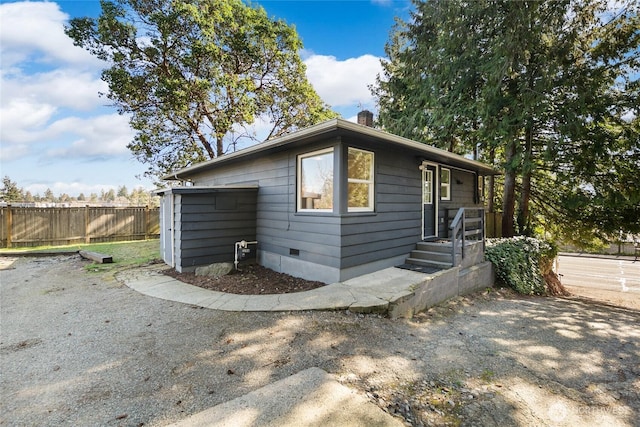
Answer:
x=31 y=226
x=493 y=224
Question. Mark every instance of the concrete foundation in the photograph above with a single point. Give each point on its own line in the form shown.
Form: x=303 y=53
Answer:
x=442 y=286
x=322 y=273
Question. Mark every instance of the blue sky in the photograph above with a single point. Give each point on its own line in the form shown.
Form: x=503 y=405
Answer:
x=57 y=133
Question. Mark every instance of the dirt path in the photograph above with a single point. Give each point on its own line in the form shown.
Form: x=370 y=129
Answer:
x=90 y=351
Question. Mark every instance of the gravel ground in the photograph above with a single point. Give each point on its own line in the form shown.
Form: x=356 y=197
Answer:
x=79 y=348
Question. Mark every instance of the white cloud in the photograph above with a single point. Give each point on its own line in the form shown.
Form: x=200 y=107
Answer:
x=22 y=119
x=44 y=77
x=96 y=137
x=13 y=152
x=100 y=136
x=63 y=87
x=248 y=135
x=35 y=31
x=353 y=119
x=341 y=83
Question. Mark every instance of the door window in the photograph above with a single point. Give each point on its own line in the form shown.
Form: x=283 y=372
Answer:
x=427 y=194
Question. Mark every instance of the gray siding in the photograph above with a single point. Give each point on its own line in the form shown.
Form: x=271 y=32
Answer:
x=462 y=195
x=208 y=225
x=280 y=229
x=336 y=241
x=395 y=226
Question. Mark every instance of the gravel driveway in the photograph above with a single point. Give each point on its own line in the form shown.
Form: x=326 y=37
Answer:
x=77 y=348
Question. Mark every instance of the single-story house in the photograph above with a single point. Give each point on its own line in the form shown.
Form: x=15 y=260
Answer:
x=328 y=202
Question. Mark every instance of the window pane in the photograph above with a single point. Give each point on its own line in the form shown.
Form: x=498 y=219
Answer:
x=444 y=192
x=445 y=184
x=359 y=195
x=428 y=187
x=316 y=181
x=445 y=176
x=360 y=180
x=360 y=164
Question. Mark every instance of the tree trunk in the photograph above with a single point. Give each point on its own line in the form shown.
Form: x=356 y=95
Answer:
x=203 y=139
x=523 y=207
x=509 y=196
x=491 y=191
x=525 y=194
x=220 y=145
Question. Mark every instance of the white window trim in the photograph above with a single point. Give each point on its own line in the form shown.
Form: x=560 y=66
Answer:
x=445 y=184
x=370 y=182
x=299 y=179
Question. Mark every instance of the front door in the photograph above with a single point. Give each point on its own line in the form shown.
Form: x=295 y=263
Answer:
x=429 y=201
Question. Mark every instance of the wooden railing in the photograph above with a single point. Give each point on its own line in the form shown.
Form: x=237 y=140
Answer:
x=466 y=225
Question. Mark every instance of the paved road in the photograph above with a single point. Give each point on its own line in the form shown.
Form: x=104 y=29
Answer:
x=614 y=280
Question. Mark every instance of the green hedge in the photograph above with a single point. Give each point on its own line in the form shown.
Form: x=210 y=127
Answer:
x=520 y=262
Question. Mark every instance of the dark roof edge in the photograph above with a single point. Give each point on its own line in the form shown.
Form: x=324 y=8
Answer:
x=328 y=126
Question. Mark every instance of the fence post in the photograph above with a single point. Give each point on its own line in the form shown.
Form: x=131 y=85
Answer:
x=147 y=218
x=87 y=237
x=9 y=225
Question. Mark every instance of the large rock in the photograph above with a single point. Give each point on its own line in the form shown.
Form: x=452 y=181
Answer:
x=215 y=270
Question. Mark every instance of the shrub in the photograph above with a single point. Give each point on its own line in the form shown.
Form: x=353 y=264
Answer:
x=521 y=261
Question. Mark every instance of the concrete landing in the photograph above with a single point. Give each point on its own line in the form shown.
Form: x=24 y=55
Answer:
x=309 y=398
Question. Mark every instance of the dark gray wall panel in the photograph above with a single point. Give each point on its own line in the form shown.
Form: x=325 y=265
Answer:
x=210 y=224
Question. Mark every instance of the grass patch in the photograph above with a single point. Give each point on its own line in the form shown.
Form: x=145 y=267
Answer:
x=487 y=376
x=124 y=254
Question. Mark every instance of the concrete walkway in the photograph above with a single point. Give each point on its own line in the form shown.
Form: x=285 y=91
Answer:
x=370 y=293
x=309 y=398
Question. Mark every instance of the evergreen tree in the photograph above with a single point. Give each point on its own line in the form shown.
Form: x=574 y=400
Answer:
x=109 y=196
x=10 y=191
x=49 y=196
x=543 y=87
x=123 y=192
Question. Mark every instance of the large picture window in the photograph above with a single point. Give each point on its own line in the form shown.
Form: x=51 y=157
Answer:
x=315 y=181
x=445 y=184
x=360 y=186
